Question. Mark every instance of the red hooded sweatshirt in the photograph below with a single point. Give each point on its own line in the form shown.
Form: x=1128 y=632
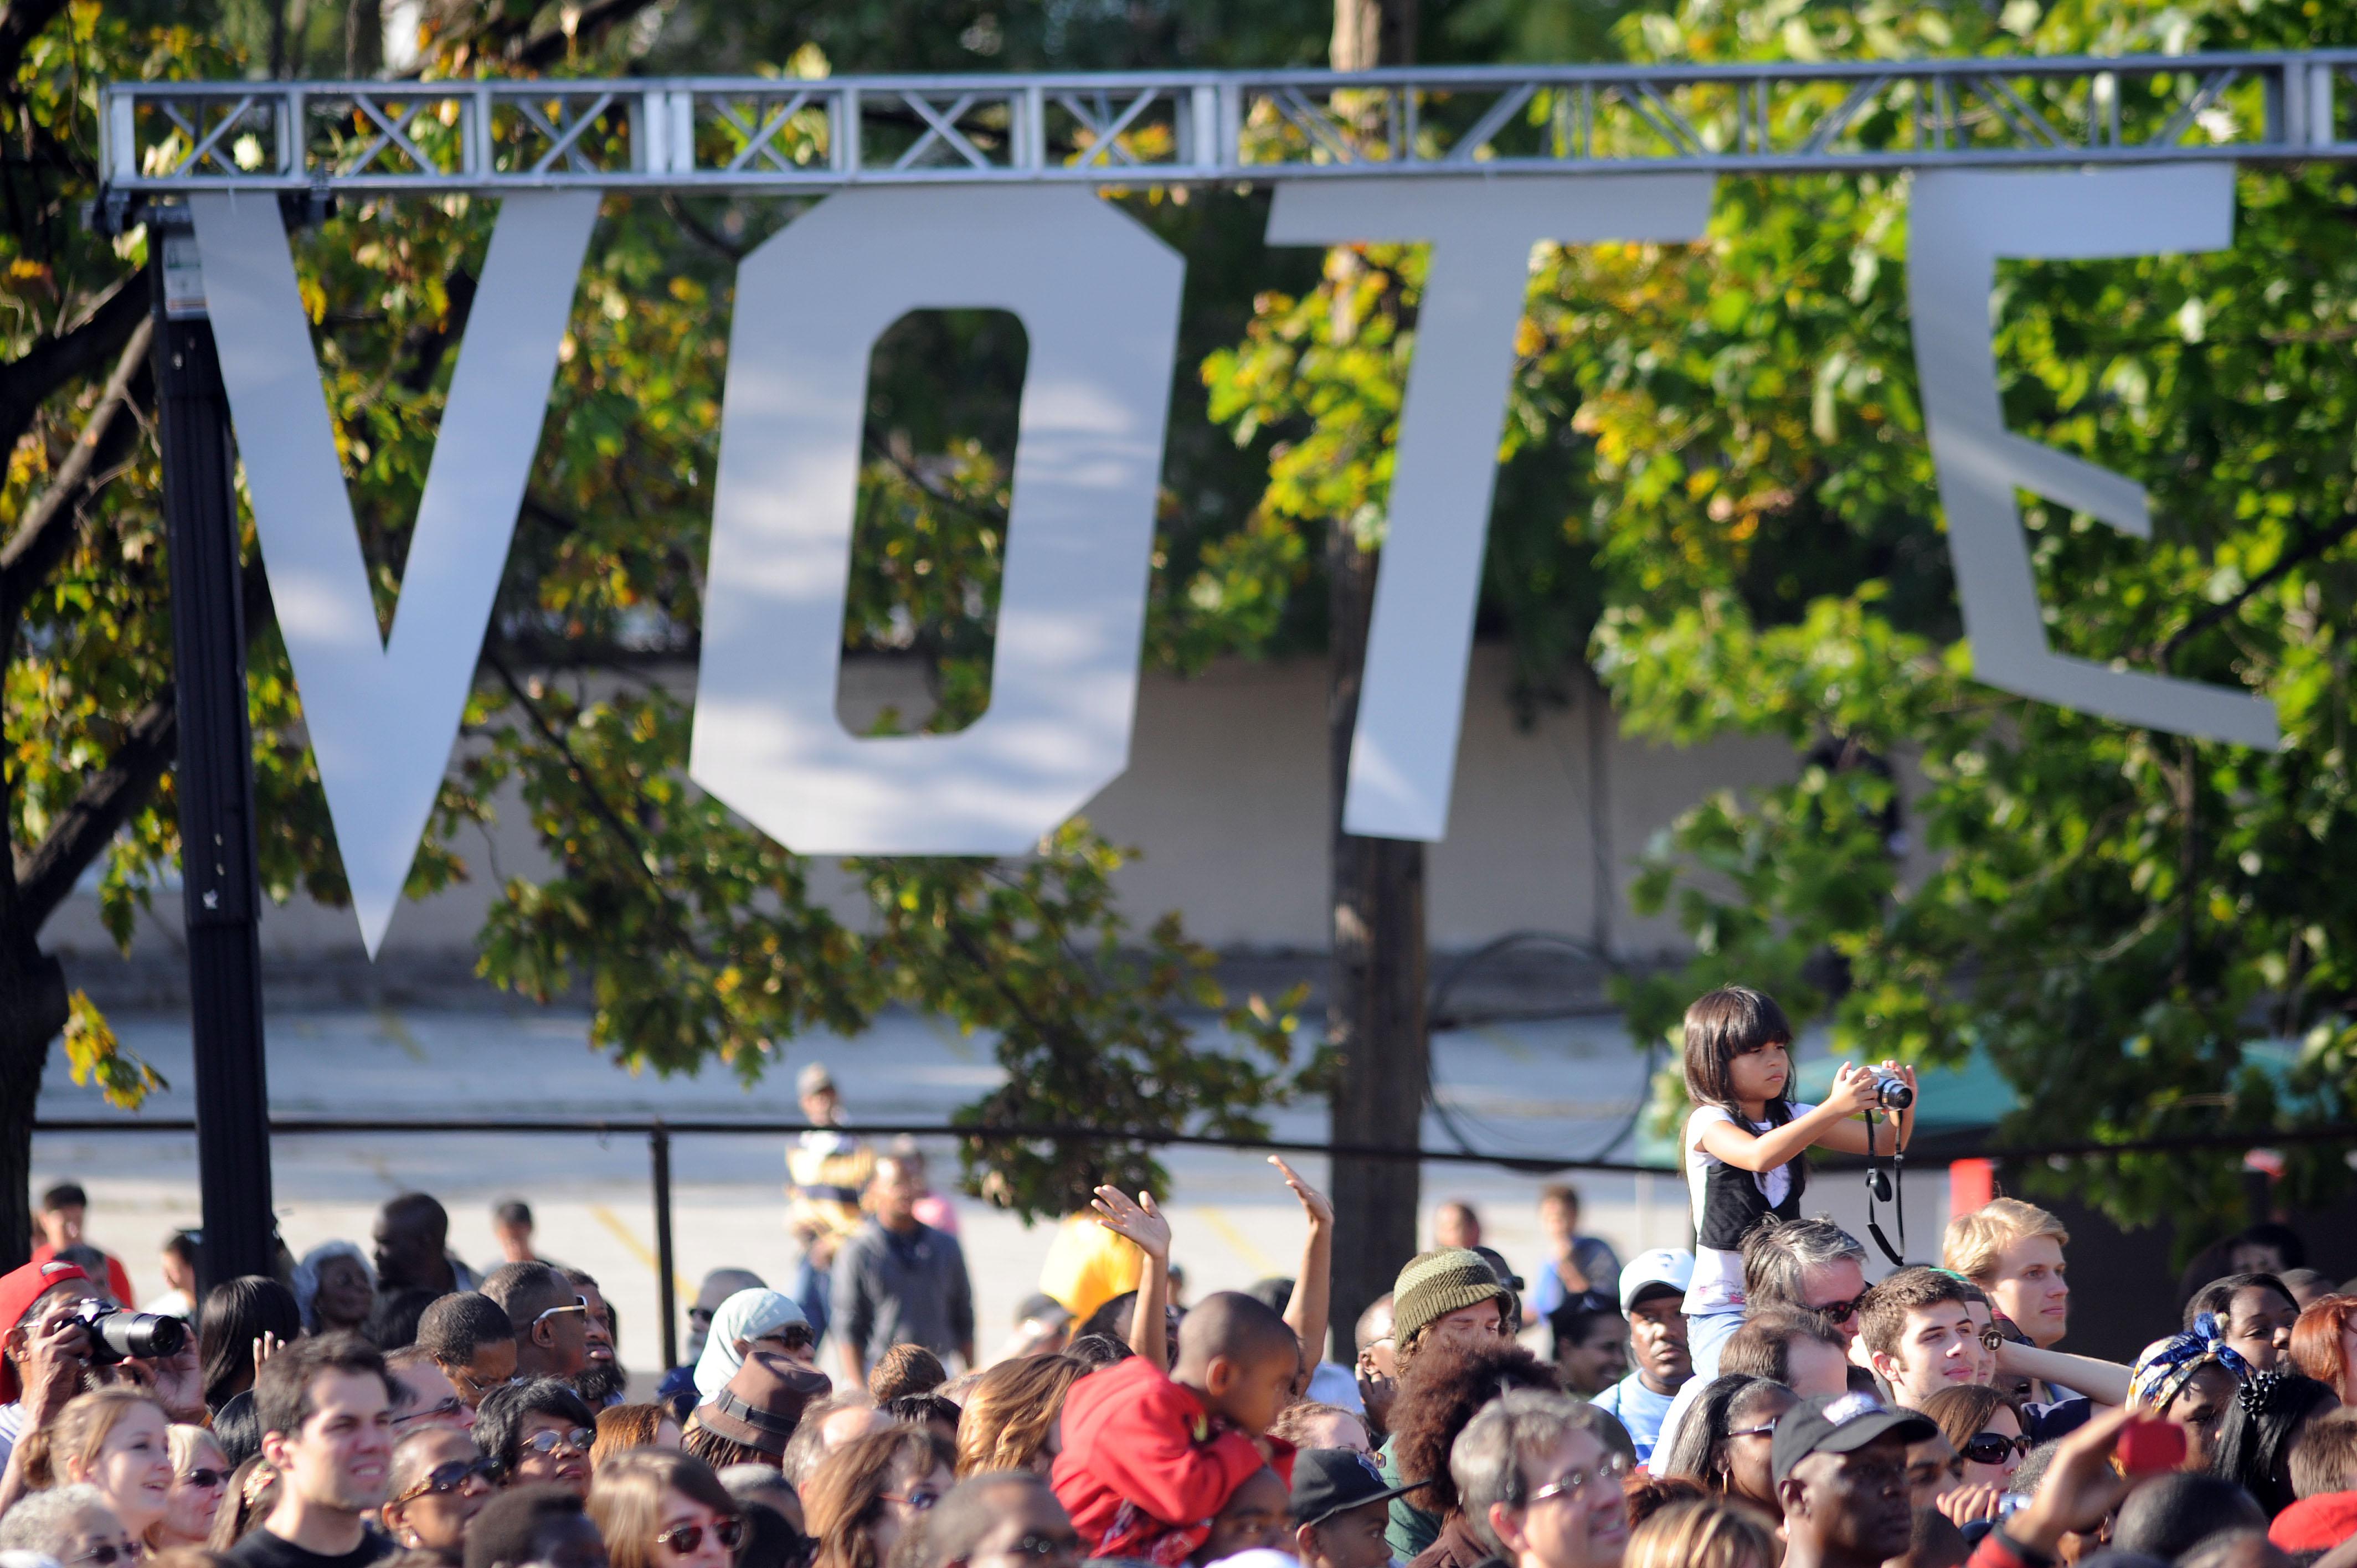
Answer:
x=1145 y=1467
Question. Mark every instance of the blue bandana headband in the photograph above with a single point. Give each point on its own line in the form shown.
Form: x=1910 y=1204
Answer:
x=2162 y=1372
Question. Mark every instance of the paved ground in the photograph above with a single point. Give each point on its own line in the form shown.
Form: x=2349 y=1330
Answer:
x=1560 y=1089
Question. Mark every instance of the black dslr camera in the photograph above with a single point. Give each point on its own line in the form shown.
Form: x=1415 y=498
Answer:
x=116 y=1333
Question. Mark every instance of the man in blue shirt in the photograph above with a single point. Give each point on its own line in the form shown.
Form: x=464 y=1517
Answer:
x=1652 y=1293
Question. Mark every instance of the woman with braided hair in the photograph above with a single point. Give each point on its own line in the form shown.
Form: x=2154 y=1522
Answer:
x=2254 y=1441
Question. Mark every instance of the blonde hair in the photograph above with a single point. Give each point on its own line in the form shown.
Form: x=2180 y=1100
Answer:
x=1009 y=1412
x=626 y=1500
x=79 y=1433
x=185 y=1439
x=1974 y=1240
x=1702 y=1533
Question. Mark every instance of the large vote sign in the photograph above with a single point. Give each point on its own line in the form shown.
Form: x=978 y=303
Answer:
x=1098 y=297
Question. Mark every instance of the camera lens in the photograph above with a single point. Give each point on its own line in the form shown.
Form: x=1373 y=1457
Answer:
x=117 y=1333
x=1893 y=1094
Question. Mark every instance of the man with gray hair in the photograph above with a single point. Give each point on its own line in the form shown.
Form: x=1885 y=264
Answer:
x=1539 y=1485
x=67 y=1524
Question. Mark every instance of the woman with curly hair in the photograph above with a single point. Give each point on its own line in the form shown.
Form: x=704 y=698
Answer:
x=1439 y=1394
x=1724 y=1440
x=1009 y=1420
x=867 y=1493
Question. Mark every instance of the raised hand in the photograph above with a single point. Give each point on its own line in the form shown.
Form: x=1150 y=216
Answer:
x=1320 y=1206
x=1141 y=1221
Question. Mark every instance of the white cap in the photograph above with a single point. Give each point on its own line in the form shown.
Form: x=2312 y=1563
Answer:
x=1671 y=1266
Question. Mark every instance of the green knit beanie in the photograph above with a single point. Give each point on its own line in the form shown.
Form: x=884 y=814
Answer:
x=1437 y=1282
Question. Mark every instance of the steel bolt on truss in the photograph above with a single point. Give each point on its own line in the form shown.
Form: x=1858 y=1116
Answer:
x=782 y=135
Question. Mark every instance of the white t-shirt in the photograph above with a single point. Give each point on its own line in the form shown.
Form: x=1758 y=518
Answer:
x=1727 y=1202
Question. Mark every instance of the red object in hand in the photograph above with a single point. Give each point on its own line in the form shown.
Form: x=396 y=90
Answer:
x=2150 y=1447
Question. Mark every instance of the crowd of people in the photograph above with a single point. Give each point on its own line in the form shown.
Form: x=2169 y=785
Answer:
x=1749 y=1402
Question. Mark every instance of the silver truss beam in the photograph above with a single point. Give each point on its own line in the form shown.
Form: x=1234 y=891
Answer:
x=779 y=135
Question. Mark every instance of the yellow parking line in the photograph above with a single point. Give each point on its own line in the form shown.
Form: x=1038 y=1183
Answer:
x=631 y=1243
x=1238 y=1242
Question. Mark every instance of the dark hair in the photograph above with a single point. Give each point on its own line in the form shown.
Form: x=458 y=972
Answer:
x=455 y=1326
x=506 y=1534
x=960 y=1521
x=905 y=1369
x=236 y=1313
x=393 y=1325
x=1883 y=1318
x=2169 y=1515
x=512 y=1211
x=525 y=1291
x=722 y=1453
x=1576 y=1319
x=2255 y=1440
x=2217 y=1297
x=1702 y=1435
x=282 y=1390
x=1095 y=1352
x=182 y=1244
x=237 y=1429
x=253 y=1493
x=2285 y=1240
x=918 y=1410
x=1721 y=1026
x=1962 y=1412
x=1275 y=1292
x=1441 y=1391
x=65 y=1195
x=419 y=1209
x=499 y=1420
x=1112 y=1319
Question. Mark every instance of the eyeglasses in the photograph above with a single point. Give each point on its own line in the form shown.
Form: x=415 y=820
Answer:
x=1991 y=1447
x=1767 y=1431
x=580 y=1304
x=107 y=1553
x=206 y=1480
x=686 y=1537
x=1841 y=1310
x=1571 y=1482
x=918 y=1499
x=579 y=1440
x=449 y=1407
x=451 y=1475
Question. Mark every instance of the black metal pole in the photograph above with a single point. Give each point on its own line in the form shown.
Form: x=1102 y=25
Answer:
x=215 y=776
x=666 y=1291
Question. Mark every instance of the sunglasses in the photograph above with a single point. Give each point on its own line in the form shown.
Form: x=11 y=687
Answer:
x=686 y=1537
x=579 y=1440
x=107 y=1553
x=452 y=1474
x=1841 y=1310
x=449 y=1407
x=793 y=1336
x=1991 y=1447
x=206 y=1480
x=580 y=1304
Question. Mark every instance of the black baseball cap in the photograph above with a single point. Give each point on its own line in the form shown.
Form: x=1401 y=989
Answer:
x=1328 y=1481
x=1840 y=1423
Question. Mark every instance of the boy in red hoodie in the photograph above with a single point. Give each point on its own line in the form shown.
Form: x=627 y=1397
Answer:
x=1148 y=1459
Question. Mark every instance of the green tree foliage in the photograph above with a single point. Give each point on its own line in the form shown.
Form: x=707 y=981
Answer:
x=1743 y=507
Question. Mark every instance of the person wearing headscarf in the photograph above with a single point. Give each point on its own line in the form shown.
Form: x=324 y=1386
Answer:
x=766 y=1318
x=334 y=1287
x=2191 y=1379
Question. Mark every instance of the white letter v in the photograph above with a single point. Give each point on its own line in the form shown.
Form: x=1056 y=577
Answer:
x=383 y=712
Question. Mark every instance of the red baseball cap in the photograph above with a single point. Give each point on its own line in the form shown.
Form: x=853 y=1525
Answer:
x=2317 y=1523
x=19 y=1289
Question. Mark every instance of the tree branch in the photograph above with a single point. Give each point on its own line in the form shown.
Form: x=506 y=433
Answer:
x=2307 y=549
x=22 y=21
x=50 y=528
x=46 y=877
x=28 y=382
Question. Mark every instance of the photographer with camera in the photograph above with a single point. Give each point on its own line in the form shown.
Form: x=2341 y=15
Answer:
x=1745 y=1143
x=61 y=1326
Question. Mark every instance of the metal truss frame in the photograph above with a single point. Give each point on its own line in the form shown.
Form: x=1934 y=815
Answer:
x=783 y=134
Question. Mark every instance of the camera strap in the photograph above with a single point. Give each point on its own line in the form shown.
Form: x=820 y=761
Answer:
x=1886 y=1187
